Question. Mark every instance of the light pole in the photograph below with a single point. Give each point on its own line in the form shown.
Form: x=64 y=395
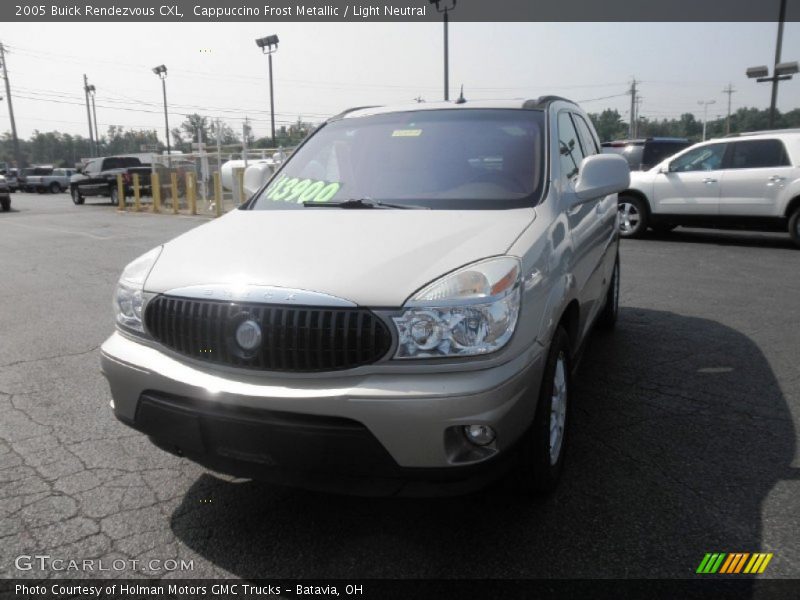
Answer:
x=91 y=89
x=269 y=45
x=161 y=71
x=704 y=104
x=782 y=71
x=445 y=10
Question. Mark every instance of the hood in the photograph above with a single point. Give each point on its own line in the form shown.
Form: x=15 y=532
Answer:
x=373 y=257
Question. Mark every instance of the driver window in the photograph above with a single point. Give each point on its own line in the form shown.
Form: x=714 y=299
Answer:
x=569 y=147
x=705 y=158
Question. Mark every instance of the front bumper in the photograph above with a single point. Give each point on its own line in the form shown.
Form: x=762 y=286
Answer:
x=374 y=432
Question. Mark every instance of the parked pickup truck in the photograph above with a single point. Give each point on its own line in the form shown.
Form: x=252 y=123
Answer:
x=55 y=182
x=28 y=172
x=99 y=178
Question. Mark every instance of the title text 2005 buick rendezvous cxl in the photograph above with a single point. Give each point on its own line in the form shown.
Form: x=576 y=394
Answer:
x=396 y=311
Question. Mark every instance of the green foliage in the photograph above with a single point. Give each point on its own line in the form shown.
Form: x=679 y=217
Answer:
x=67 y=150
x=610 y=126
x=286 y=136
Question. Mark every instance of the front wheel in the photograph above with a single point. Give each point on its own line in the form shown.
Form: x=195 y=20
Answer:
x=633 y=216
x=794 y=226
x=544 y=444
x=77 y=199
x=55 y=188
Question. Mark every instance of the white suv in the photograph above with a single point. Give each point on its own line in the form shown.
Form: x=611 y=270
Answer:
x=750 y=181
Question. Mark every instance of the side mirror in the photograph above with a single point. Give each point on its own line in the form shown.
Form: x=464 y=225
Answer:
x=601 y=175
x=664 y=169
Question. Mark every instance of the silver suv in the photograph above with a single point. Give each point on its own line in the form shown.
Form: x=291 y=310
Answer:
x=747 y=181
x=397 y=310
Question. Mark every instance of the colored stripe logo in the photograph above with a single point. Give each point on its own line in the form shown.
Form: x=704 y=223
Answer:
x=734 y=563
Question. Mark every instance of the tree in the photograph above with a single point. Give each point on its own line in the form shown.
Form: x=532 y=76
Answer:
x=225 y=133
x=609 y=125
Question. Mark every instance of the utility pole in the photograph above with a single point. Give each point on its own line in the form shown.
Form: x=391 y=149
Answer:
x=632 y=125
x=730 y=91
x=705 y=104
x=17 y=155
x=245 y=133
x=88 y=115
x=774 y=100
x=636 y=132
x=92 y=92
x=445 y=11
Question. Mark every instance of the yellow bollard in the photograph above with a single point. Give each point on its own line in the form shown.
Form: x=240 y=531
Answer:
x=191 y=192
x=218 y=193
x=174 y=185
x=120 y=193
x=155 y=190
x=240 y=179
x=137 y=206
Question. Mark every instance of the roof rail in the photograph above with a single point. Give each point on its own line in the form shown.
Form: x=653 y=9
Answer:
x=544 y=101
x=353 y=109
x=765 y=132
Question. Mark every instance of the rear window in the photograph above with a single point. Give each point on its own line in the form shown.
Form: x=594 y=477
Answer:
x=441 y=159
x=758 y=154
x=121 y=162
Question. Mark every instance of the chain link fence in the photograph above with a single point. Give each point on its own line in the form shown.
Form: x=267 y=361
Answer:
x=201 y=183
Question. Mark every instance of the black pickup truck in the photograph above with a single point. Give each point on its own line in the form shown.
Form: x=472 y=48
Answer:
x=99 y=178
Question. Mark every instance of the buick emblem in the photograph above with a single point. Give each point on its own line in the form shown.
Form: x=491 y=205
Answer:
x=248 y=335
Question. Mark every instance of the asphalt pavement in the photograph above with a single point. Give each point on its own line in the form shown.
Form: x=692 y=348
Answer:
x=684 y=431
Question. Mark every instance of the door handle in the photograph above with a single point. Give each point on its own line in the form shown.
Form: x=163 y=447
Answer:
x=709 y=180
x=776 y=179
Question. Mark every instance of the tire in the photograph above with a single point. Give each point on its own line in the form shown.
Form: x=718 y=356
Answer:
x=608 y=317
x=55 y=188
x=77 y=199
x=114 y=195
x=633 y=216
x=794 y=227
x=5 y=203
x=544 y=444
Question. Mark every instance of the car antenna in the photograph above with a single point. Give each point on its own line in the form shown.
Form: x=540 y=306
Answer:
x=461 y=99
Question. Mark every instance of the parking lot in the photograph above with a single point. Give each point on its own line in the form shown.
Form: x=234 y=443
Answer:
x=684 y=432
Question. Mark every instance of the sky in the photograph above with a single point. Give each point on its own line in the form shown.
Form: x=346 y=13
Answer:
x=215 y=69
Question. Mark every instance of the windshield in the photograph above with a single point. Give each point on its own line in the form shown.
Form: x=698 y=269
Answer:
x=440 y=159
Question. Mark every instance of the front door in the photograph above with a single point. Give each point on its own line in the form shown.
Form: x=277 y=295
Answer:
x=691 y=184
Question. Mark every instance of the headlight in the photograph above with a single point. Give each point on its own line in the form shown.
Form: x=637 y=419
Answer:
x=471 y=311
x=128 y=297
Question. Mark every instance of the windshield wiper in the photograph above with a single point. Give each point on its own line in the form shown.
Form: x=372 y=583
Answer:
x=362 y=203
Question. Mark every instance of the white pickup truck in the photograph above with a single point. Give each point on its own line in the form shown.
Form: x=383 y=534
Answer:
x=55 y=182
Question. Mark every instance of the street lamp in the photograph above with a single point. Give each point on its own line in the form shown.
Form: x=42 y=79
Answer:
x=91 y=89
x=782 y=71
x=445 y=10
x=161 y=71
x=704 y=104
x=269 y=45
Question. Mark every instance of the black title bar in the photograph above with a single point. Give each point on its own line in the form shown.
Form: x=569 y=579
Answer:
x=396 y=10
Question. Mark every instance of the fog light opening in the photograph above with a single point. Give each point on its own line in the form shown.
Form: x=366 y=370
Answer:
x=480 y=435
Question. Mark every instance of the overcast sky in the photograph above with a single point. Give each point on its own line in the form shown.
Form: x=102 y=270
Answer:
x=322 y=68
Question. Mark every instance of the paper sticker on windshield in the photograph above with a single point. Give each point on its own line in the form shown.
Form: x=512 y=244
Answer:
x=293 y=189
x=407 y=133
